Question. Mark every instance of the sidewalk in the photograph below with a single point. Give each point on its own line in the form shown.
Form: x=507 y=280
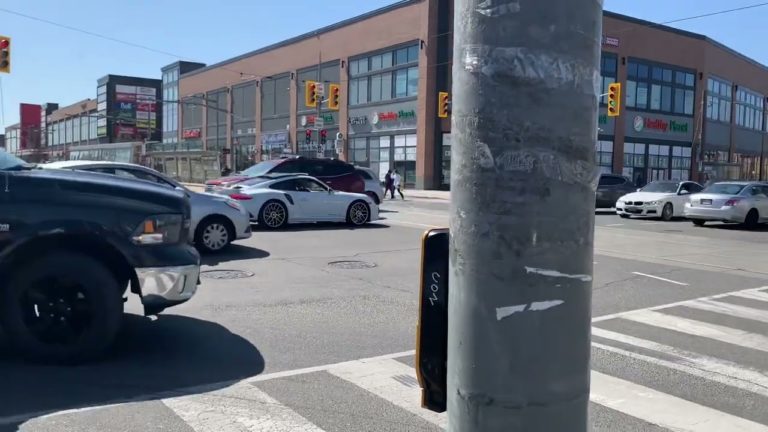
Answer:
x=410 y=193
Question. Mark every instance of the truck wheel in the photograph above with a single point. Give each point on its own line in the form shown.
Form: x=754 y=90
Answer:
x=62 y=308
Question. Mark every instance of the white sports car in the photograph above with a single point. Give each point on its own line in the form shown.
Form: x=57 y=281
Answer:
x=664 y=199
x=277 y=200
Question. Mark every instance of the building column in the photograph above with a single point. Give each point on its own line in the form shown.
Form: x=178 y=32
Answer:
x=293 y=109
x=343 y=109
x=257 y=120
x=427 y=99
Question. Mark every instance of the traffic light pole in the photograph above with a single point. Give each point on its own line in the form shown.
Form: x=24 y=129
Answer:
x=522 y=214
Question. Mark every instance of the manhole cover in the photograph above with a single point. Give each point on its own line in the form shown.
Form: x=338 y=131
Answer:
x=226 y=274
x=351 y=265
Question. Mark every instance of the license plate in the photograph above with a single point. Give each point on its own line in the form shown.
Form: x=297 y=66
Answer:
x=706 y=202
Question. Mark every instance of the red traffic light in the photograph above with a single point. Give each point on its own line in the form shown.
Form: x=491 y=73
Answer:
x=4 y=43
x=323 y=133
x=308 y=133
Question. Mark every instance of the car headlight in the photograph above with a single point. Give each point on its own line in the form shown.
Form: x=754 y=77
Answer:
x=159 y=229
x=653 y=203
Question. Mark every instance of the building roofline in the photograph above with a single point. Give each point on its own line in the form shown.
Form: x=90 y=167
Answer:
x=684 y=33
x=178 y=63
x=305 y=36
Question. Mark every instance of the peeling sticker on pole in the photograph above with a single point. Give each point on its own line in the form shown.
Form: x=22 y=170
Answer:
x=551 y=70
x=496 y=8
x=503 y=312
x=555 y=273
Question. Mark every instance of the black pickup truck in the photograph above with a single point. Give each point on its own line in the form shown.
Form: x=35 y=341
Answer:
x=71 y=246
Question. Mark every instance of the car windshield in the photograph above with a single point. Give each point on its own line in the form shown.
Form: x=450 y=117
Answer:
x=261 y=168
x=662 y=187
x=10 y=162
x=725 y=188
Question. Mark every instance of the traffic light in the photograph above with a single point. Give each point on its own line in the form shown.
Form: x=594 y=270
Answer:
x=334 y=96
x=614 y=99
x=308 y=136
x=5 y=54
x=443 y=104
x=310 y=94
x=323 y=137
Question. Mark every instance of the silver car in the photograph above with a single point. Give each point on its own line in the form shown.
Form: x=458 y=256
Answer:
x=373 y=187
x=216 y=220
x=735 y=201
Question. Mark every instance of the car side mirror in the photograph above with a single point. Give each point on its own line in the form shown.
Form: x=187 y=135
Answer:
x=638 y=189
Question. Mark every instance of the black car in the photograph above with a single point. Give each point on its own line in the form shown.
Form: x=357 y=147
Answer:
x=72 y=244
x=610 y=188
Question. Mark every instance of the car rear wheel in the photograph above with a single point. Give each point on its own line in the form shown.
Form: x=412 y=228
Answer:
x=214 y=234
x=750 y=222
x=273 y=215
x=55 y=312
x=358 y=213
x=667 y=212
x=698 y=223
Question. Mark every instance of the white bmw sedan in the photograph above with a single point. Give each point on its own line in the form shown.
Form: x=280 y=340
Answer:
x=662 y=199
x=277 y=200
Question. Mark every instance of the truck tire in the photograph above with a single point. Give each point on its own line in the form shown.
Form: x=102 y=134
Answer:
x=64 y=307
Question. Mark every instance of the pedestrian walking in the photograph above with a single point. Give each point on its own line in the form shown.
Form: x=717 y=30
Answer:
x=396 y=183
x=388 y=185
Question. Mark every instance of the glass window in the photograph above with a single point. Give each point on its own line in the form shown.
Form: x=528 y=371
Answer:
x=413 y=81
x=656 y=95
x=631 y=93
x=401 y=83
x=749 y=109
x=667 y=75
x=401 y=56
x=604 y=157
x=688 y=102
x=656 y=73
x=642 y=95
x=632 y=69
x=666 y=98
x=413 y=54
x=679 y=105
x=642 y=71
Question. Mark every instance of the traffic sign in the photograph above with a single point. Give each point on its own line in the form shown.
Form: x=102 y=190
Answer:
x=319 y=88
x=319 y=122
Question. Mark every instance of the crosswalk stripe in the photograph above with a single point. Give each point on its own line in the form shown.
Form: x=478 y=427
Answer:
x=393 y=381
x=730 y=309
x=702 y=366
x=242 y=407
x=754 y=295
x=664 y=410
x=699 y=328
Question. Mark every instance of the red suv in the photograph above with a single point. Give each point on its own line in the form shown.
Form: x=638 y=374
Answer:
x=335 y=173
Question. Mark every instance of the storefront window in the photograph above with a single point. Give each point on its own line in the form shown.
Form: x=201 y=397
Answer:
x=749 y=166
x=634 y=163
x=658 y=162
x=681 y=163
x=604 y=156
x=651 y=87
x=607 y=73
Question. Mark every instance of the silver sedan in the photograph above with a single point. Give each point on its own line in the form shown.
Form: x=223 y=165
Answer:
x=738 y=202
x=216 y=220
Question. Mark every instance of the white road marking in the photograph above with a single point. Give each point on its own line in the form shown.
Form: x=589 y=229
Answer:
x=678 y=303
x=754 y=295
x=614 y=224
x=730 y=309
x=699 y=328
x=660 y=278
x=699 y=365
x=384 y=379
x=242 y=407
x=664 y=410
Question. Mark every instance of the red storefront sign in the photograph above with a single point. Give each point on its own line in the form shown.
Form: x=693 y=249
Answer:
x=125 y=97
x=190 y=133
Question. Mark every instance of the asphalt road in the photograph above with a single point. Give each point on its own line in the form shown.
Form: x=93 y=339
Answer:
x=318 y=335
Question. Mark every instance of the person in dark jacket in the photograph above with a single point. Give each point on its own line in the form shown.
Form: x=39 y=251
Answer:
x=389 y=185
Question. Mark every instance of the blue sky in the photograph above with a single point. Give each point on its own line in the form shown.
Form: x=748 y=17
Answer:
x=52 y=64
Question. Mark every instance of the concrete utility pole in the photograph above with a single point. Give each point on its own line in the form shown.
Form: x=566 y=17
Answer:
x=522 y=214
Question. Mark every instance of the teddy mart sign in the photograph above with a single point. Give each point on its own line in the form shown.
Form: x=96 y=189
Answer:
x=645 y=125
x=394 y=117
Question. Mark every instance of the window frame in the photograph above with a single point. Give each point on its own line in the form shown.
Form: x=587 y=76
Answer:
x=365 y=78
x=672 y=80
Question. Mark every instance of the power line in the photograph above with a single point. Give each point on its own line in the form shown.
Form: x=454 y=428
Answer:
x=715 y=13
